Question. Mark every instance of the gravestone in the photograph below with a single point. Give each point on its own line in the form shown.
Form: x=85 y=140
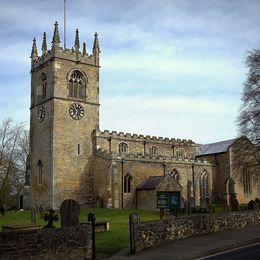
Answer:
x=34 y=214
x=187 y=207
x=192 y=202
x=224 y=205
x=234 y=204
x=2 y=209
x=252 y=205
x=42 y=211
x=203 y=203
x=69 y=211
x=258 y=202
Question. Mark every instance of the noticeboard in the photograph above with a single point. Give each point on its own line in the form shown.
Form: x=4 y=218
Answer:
x=162 y=200
x=168 y=200
x=174 y=200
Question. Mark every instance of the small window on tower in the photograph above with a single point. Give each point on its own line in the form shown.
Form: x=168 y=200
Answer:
x=78 y=148
x=39 y=165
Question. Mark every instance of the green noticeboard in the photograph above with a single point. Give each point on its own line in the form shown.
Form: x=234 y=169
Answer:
x=162 y=200
x=168 y=200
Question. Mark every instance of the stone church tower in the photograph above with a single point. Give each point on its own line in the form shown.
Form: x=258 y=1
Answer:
x=64 y=113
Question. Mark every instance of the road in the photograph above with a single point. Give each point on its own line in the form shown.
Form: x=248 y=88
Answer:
x=249 y=252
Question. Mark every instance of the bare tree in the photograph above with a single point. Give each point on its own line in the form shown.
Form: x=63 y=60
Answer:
x=14 y=150
x=249 y=117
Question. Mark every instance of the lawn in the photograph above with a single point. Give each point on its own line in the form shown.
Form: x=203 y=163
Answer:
x=107 y=243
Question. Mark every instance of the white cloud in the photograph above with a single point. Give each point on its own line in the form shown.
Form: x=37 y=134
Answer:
x=179 y=117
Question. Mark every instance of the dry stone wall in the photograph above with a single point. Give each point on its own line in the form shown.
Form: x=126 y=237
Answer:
x=150 y=234
x=58 y=243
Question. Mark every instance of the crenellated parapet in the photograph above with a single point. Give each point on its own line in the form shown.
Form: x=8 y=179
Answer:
x=56 y=51
x=142 y=138
x=105 y=154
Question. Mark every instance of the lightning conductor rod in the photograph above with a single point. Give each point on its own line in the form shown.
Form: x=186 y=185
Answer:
x=64 y=25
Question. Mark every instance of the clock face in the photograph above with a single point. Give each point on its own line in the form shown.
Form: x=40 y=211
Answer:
x=76 y=111
x=40 y=113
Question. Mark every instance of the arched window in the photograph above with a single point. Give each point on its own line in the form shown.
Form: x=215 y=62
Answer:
x=174 y=173
x=39 y=165
x=127 y=183
x=77 y=85
x=204 y=184
x=153 y=151
x=246 y=180
x=180 y=154
x=42 y=88
x=123 y=148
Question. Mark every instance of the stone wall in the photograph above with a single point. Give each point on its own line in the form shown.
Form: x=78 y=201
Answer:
x=151 y=233
x=67 y=242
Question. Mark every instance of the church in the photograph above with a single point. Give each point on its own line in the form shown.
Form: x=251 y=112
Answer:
x=71 y=158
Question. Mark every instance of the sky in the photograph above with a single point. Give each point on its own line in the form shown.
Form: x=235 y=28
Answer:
x=170 y=68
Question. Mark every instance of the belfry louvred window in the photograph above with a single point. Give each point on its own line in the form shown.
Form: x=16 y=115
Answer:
x=42 y=88
x=77 y=85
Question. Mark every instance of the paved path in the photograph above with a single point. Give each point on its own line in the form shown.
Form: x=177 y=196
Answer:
x=196 y=247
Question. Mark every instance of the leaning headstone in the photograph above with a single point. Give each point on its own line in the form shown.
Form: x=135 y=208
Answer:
x=34 y=214
x=258 y=202
x=252 y=205
x=69 y=211
x=42 y=212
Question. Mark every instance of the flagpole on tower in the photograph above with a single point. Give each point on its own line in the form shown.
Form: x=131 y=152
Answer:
x=64 y=24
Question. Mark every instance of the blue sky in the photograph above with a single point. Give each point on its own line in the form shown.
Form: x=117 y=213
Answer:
x=171 y=68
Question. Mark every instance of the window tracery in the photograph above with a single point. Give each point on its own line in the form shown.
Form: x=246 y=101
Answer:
x=204 y=185
x=175 y=174
x=123 y=148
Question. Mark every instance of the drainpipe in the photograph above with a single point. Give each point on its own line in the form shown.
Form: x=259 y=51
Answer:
x=164 y=168
x=193 y=183
x=122 y=183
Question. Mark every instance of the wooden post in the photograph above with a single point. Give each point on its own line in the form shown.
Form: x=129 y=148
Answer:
x=161 y=213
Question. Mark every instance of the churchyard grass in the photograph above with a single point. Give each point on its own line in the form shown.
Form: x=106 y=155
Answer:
x=107 y=243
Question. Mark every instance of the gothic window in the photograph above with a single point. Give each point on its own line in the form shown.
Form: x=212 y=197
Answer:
x=127 y=183
x=246 y=180
x=77 y=85
x=204 y=184
x=153 y=151
x=39 y=165
x=123 y=148
x=174 y=173
x=180 y=154
x=42 y=88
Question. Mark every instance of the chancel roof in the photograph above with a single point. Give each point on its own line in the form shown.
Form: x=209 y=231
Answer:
x=213 y=148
